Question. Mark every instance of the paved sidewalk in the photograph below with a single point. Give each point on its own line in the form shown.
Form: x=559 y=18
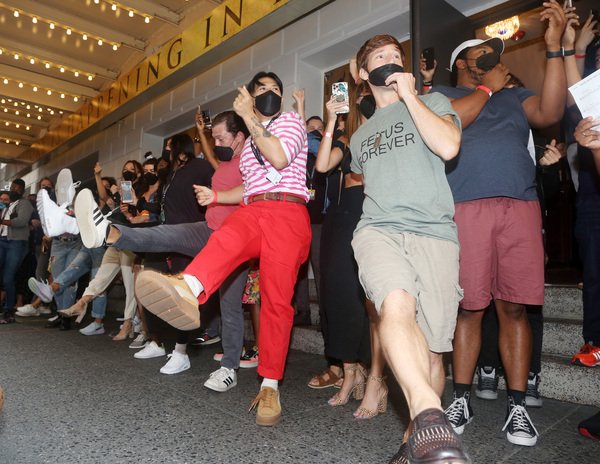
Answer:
x=71 y=398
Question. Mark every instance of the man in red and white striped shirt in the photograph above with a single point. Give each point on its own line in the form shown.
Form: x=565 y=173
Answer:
x=272 y=224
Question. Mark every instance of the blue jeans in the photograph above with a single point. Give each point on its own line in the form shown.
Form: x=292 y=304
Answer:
x=189 y=240
x=88 y=259
x=63 y=254
x=12 y=253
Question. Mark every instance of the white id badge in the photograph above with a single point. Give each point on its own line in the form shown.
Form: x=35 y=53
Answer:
x=273 y=176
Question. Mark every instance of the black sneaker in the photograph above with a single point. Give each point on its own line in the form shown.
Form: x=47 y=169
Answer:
x=519 y=428
x=433 y=440
x=590 y=427
x=205 y=340
x=460 y=413
x=532 y=395
x=487 y=383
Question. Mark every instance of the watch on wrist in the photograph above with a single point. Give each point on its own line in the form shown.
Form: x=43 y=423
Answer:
x=558 y=54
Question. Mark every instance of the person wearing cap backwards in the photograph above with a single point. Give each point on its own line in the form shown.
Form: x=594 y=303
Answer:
x=498 y=213
x=406 y=243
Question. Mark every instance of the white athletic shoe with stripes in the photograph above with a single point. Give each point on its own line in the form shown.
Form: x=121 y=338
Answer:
x=93 y=225
x=222 y=380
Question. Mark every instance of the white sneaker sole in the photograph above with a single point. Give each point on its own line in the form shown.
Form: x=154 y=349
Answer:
x=183 y=368
x=461 y=429
x=63 y=182
x=523 y=441
x=160 y=297
x=20 y=314
x=486 y=394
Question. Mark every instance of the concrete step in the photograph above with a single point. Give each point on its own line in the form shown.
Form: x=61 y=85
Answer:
x=562 y=337
x=564 y=381
x=563 y=302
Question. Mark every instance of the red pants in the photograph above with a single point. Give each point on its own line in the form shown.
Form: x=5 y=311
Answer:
x=277 y=232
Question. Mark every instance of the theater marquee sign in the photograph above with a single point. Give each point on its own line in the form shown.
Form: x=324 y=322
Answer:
x=224 y=31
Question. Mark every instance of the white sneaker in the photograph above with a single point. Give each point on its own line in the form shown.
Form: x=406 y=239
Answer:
x=222 y=380
x=41 y=289
x=92 y=223
x=65 y=188
x=152 y=350
x=27 y=311
x=137 y=325
x=177 y=363
x=55 y=219
x=45 y=309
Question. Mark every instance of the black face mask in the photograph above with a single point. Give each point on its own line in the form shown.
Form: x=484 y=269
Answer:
x=268 y=103
x=129 y=176
x=367 y=106
x=337 y=134
x=166 y=155
x=151 y=178
x=14 y=196
x=488 y=61
x=378 y=75
x=224 y=153
x=163 y=173
x=317 y=135
x=49 y=190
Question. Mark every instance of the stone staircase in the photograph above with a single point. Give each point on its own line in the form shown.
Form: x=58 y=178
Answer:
x=563 y=316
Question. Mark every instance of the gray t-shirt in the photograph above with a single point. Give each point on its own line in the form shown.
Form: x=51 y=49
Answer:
x=405 y=182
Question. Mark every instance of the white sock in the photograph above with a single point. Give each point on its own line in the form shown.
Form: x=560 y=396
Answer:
x=194 y=284
x=271 y=383
x=180 y=348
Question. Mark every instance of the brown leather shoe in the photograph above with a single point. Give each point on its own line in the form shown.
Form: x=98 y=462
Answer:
x=434 y=441
x=401 y=457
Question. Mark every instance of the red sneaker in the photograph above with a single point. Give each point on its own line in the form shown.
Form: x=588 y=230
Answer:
x=588 y=356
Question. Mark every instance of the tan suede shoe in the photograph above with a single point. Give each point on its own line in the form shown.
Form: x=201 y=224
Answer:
x=169 y=297
x=268 y=411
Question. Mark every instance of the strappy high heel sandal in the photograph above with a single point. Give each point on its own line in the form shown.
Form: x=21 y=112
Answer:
x=78 y=309
x=125 y=332
x=364 y=413
x=358 y=390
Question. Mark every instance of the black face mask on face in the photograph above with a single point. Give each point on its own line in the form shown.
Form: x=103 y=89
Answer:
x=128 y=176
x=367 y=106
x=151 y=178
x=49 y=190
x=166 y=155
x=488 y=61
x=14 y=196
x=268 y=103
x=224 y=153
x=378 y=75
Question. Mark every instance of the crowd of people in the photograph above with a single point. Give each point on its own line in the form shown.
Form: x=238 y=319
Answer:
x=385 y=198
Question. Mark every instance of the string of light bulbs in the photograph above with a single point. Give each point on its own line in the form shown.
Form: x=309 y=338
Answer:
x=69 y=30
x=47 y=64
x=130 y=11
x=37 y=88
x=27 y=105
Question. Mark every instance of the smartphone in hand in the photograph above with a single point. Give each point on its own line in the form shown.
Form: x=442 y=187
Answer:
x=206 y=119
x=126 y=192
x=340 y=91
x=429 y=55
